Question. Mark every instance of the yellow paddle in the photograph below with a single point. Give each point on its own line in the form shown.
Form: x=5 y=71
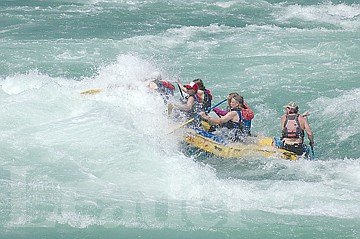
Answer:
x=90 y=92
x=187 y=122
x=197 y=116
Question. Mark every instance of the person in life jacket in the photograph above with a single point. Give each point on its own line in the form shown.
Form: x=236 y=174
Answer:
x=232 y=120
x=192 y=106
x=293 y=126
x=204 y=95
x=164 y=88
x=247 y=113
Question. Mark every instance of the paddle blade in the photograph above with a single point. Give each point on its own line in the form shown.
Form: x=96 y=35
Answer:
x=312 y=154
x=187 y=122
x=90 y=92
x=170 y=108
x=305 y=114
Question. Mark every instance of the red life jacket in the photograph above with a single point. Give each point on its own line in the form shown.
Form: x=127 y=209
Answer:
x=247 y=113
x=168 y=85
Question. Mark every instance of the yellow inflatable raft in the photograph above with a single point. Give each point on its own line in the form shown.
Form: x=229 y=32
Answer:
x=255 y=146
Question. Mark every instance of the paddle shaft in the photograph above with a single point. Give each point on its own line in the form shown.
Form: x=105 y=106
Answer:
x=182 y=95
x=312 y=155
x=210 y=108
x=197 y=116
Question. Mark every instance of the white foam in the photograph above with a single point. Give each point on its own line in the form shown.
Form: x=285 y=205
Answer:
x=340 y=15
x=226 y=4
x=343 y=113
x=26 y=82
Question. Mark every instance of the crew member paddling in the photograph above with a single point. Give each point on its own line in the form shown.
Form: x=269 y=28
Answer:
x=203 y=95
x=192 y=106
x=164 y=88
x=246 y=113
x=293 y=126
x=233 y=120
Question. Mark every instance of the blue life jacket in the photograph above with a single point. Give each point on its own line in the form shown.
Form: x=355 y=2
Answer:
x=235 y=125
x=243 y=125
x=247 y=126
x=239 y=132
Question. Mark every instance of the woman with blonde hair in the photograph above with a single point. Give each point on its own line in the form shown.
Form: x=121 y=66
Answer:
x=246 y=113
x=232 y=120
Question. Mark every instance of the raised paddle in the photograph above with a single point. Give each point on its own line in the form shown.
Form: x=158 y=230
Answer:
x=182 y=95
x=312 y=154
x=197 y=116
